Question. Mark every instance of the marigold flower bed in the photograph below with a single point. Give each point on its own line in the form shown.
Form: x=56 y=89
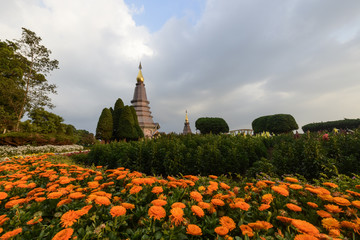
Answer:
x=43 y=200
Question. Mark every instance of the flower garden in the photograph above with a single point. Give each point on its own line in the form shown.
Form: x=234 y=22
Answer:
x=43 y=198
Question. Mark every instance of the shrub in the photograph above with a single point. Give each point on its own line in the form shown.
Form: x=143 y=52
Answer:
x=211 y=125
x=277 y=123
x=330 y=125
x=104 y=127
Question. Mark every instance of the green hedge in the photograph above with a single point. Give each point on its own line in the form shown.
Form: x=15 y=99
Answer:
x=330 y=125
x=277 y=123
x=309 y=155
x=212 y=125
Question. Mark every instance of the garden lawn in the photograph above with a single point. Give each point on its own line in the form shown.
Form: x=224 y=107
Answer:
x=42 y=199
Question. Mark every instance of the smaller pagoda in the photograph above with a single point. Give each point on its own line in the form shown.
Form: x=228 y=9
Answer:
x=187 y=129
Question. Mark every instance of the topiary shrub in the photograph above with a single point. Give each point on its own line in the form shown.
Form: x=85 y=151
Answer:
x=277 y=123
x=211 y=125
x=330 y=125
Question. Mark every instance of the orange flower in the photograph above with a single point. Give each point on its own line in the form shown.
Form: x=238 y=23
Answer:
x=305 y=227
x=329 y=184
x=178 y=204
x=63 y=202
x=259 y=225
x=197 y=211
x=213 y=177
x=305 y=237
x=224 y=186
x=93 y=184
x=176 y=216
x=267 y=198
x=323 y=214
x=15 y=202
x=284 y=219
x=159 y=202
x=333 y=208
x=117 y=211
x=330 y=223
x=11 y=234
x=293 y=207
x=347 y=224
x=135 y=189
x=76 y=195
x=217 y=202
x=295 y=186
x=40 y=199
x=157 y=212
x=69 y=218
x=204 y=205
x=3 y=219
x=157 y=190
x=246 y=230
x=64 y=234
x=194 y=230
x=341 y=201
x=196 y=196
x=3 y=195
x=34 y=221
x=228 y=223
x=102 y=200
x=54 y=195
x=242 y=205
x=128 y=205
x=264 y=207
x=280 y=190
x=222 y=231
x=292 y=180
x=313 y=205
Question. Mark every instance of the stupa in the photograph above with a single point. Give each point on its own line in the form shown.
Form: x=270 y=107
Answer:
x=142 y=108
x=187 y=129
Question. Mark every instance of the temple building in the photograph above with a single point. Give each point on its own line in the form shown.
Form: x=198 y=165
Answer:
x=187 y=129
x=141 y=105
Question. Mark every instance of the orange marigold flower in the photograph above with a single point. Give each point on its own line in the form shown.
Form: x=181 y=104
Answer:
x=102 y=200
x=84 y=210
x=204 y=205
x=292 y=180
x=347 y=224
x=117 y=211
x=224 y=186
x=333 y=208
x=178 y=204
x=93 y=184
x=217 y=202
x=246 y=230
x=280 y=190
x=323 y=214
x=128 y=205
x=284 y=219
x=333 y=232
x=341 y=201
x=242 y=205
x=64 y=234
x=222 y=231
x=3 y=219
x=54 y=195
x=260 y=225
x=267 y=198
x=330 y=184
x=293 y=207
x=325 y=197
x=63 y=202
x=197 y=211
x=40 y=199
x=176 y=216
x=76 y=195
x=11 y=234
x=3 y=195
x=157 y=212
x=196 y=196
x=34 y=221
x=157 y=190
x=330 y=223
x=356 y=204
x=15 y=202
x=305 y=227
x=313 y=205
x=213 y=177
x=69 y=218
x=135 y=189
x=194 y=230
x=227 y=222
x=295 y=186
x=305 y=237
x=263 y=207
x=159 y=202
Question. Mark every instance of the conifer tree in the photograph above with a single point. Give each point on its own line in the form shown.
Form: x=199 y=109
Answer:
x=104 y=127
x=137 y=126
x=126 y=129
x=116 y=113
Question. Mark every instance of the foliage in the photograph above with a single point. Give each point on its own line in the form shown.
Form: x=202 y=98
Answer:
x=330 y=125
x=94 y=203
x=211 y=125
x=116 y=113
x=277 y=123
x=9 y=151
x=104 y=127
x=44 y=121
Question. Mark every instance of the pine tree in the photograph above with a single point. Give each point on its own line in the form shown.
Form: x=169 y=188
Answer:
x=126 y=129
x=116 y=113
x=137 y=126
x=104 y=127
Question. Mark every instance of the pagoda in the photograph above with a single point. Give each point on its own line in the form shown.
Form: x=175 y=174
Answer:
x=141 y=105
x=187 y=129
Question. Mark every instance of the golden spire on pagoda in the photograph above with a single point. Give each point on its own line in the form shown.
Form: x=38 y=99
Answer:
x=186 y=117
x=140 y=77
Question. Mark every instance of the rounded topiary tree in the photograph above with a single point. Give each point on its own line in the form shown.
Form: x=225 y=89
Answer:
x=104 y=129
x=277 y=123
x=211 y=125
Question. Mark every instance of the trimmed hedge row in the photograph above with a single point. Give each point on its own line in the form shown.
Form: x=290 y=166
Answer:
x=310 y=155
x=277 y=123
x=330 y=125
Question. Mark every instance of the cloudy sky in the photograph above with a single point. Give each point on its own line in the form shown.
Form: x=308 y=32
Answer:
x=235 y=59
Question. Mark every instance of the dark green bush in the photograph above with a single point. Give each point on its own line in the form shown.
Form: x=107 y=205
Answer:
x=330 y=125
x=211 y=125
x=277 y=123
